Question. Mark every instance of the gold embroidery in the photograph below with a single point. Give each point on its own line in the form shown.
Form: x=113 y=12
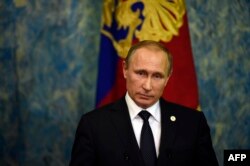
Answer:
x=20 y=3
x=162 y=20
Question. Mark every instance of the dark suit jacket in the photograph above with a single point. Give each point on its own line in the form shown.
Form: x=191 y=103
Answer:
x=105 y=137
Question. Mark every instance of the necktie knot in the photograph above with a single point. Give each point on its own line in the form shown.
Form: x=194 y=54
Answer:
x=144 y=115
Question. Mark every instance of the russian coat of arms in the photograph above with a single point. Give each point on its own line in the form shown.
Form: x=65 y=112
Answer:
x=157 y=20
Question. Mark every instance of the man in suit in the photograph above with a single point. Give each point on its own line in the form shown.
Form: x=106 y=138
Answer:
x=118 y=134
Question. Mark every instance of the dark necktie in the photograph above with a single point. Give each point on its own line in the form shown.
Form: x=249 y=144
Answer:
x=147 y=145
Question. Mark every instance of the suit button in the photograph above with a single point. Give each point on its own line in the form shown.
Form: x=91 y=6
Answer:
x=126 y=157
x=170 y=155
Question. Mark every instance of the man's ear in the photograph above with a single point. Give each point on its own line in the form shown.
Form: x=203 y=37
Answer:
x=124 y=69
x=166 y=81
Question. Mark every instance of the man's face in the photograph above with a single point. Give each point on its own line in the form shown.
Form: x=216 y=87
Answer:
x=146 y=76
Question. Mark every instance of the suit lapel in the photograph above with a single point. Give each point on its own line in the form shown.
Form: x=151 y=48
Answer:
x=121 y=120
x=168 y=131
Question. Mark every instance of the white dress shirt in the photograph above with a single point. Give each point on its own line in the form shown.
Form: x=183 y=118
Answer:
x=137 y=122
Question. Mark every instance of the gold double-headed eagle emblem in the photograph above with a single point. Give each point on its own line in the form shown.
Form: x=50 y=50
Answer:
x=161 y=20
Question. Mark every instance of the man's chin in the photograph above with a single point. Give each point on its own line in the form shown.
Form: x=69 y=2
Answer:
x=144 y=103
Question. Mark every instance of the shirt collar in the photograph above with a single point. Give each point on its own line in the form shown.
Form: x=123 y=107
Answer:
x=134 y=109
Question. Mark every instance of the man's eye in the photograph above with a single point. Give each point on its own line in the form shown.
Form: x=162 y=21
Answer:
x=141 y=73
x=158 y=76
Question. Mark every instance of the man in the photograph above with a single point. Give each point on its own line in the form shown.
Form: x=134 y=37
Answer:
x=118 y=134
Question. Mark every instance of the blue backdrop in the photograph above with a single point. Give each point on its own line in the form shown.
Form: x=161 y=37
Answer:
x=48 y=71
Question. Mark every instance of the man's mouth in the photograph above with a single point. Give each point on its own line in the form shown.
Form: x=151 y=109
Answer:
x=143 y=96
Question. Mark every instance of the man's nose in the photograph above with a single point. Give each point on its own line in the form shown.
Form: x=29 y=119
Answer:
x=147 y=85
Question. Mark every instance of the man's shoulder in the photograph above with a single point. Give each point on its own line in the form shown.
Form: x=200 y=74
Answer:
x=178 y=108
x=185 y=115
x=106 y=109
